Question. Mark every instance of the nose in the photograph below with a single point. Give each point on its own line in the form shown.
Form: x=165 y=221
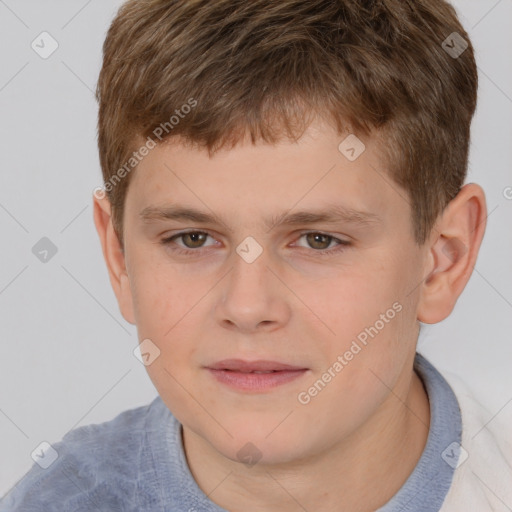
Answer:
x=253 y=298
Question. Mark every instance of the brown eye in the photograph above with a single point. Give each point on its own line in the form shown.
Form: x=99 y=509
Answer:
x=194 y=240
x=190 y=243
x=322 y=244
x=319 y=240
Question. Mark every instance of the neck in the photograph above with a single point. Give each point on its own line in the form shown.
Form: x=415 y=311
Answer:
x=361 y=473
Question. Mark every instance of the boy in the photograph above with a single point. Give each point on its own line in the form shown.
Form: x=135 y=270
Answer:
x=284 y=204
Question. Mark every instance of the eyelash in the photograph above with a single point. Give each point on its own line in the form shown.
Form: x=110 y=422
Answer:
x=342 y=244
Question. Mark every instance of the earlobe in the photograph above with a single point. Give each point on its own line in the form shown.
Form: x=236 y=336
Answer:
x=114 y=257
x=453 y=251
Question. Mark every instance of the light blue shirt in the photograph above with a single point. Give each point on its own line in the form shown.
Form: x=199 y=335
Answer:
x=136 y=462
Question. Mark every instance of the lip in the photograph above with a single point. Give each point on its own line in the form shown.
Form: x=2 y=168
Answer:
x=240 y=365
x=239 y=374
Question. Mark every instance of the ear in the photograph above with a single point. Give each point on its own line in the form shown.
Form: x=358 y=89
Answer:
x=114 y=257
x=452 y=253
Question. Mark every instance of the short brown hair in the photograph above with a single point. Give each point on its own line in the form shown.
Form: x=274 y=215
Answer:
x=266 y=68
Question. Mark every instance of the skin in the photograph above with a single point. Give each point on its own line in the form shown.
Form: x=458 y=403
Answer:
x=356 y=442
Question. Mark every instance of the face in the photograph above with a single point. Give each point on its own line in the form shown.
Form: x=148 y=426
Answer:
x=331 y=292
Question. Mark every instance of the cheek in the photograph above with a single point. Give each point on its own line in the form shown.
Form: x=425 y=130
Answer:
x=164 y=312
x=373 y=323
x=359 y=374
x=355 y=299
x=166 y=305
x=161 y=296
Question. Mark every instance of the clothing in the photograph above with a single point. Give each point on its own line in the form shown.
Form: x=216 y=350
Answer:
x=428 y=484
x=484 y=481
x=136 y=462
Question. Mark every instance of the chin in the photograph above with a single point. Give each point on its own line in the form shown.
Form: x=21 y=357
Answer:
x=251 y=448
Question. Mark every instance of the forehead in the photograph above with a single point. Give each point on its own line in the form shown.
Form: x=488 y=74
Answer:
x=314 y=176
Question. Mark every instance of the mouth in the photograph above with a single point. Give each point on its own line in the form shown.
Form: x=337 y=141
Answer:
x=254 y=375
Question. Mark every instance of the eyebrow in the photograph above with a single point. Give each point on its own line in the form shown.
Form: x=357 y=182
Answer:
x=330 y=214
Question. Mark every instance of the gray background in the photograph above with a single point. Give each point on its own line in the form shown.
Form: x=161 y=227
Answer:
x=66 y=352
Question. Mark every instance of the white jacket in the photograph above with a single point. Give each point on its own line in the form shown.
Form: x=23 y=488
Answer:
x=483 y=482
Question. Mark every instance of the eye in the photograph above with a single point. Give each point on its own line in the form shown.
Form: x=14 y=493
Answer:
x=321 y=242
x=192 y=240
